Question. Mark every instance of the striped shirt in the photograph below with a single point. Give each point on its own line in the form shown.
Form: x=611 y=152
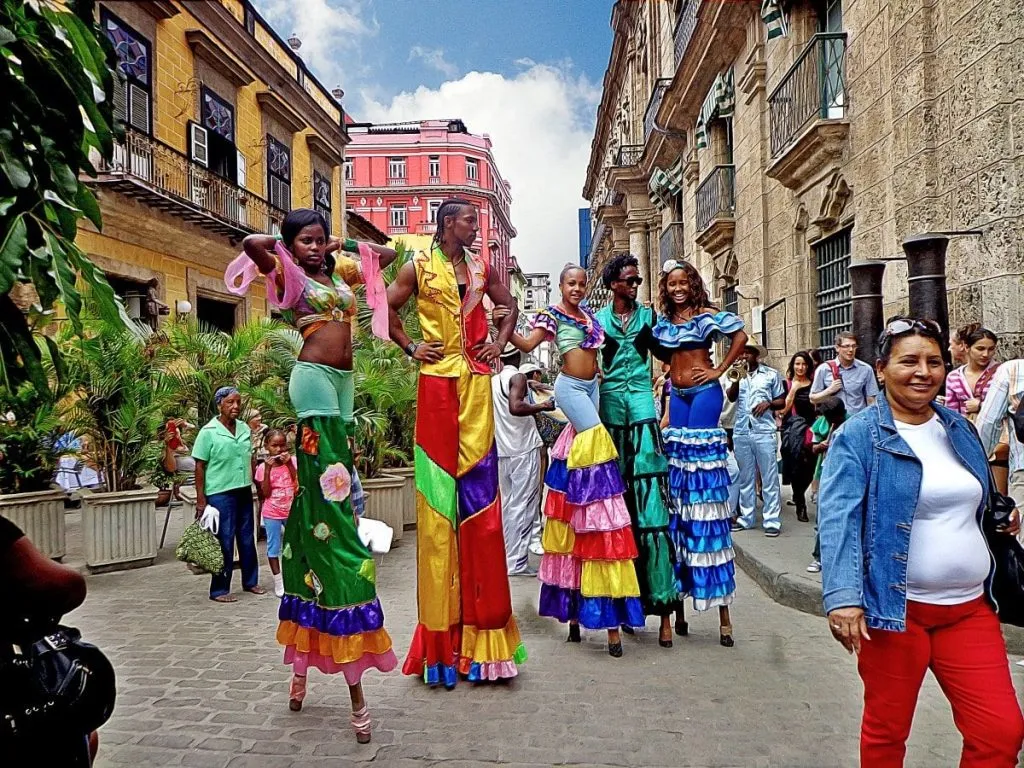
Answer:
x=958 y=390
x=1001 y=402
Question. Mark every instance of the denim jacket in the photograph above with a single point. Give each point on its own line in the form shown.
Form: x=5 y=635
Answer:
x=869 y=490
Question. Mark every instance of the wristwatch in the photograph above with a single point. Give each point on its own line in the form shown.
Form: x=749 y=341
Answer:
x=410 y=348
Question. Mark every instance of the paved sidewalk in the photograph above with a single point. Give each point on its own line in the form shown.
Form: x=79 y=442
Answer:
x=202 y=684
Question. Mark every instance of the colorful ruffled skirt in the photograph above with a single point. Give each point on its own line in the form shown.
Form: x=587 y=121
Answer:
x=330 y=616
x=700 y=523
x=587 y=572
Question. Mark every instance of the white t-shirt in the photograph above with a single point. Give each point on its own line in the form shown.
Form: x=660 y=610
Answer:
x=514 y=435
x=949 y=560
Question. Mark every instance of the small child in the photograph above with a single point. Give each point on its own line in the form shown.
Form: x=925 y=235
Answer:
x=276 y=483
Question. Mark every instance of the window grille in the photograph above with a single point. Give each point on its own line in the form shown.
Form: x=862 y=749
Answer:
x=832 y=259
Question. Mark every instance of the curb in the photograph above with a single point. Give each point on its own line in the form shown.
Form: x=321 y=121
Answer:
x=804 y=597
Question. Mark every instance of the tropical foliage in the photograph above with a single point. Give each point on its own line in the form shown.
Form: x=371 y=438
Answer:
x=30 y=428
x=57 y=80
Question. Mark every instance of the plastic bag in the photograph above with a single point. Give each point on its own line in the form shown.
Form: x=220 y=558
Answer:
x=210 y=520
x=375 y=535
x=201 y=548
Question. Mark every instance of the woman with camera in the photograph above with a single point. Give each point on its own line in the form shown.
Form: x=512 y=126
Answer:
x=907 y=572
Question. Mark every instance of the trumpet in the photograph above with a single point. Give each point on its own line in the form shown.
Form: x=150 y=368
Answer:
x=737 y=371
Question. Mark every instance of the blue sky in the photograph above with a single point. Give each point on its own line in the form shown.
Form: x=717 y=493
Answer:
x=526 y=72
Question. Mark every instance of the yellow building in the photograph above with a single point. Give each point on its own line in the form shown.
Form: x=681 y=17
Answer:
x=226 y=130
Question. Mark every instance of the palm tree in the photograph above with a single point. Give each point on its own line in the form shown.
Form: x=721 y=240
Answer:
x=385 y=404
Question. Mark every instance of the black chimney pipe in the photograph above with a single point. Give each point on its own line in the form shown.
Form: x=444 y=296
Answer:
x=926 y=281
x=866 y=295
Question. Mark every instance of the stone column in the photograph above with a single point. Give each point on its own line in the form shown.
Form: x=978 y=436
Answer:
x=866 y=295
x=638 y=248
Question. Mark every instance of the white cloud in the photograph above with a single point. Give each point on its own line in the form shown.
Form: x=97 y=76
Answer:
x=433 y=58
x=540 y=122
x=331 y=31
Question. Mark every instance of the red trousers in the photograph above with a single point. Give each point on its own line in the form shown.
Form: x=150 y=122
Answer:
x=964 y=648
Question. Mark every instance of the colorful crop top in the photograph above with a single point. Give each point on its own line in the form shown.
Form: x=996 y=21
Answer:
x=308 y=304
x=568 y=332
x=699 y=332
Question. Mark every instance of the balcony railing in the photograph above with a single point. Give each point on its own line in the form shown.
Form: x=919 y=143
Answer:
x=629 y=154
x=473 y=182
x=398 y=181
x=716 y=196
x=148 y=169
x=654 y=104
x=813 y=88
x=398 y=230
x=685 y=25
x=426 y=228
x=434 y=180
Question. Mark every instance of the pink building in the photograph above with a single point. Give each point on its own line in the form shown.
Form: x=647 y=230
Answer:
x=398 y=174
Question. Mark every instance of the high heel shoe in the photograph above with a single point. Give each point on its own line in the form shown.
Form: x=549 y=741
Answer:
x=682 y=628
x=665 y=643
x=726 y=636
x=574 y=634
x=615 y=650
x=296 y=693
x=361 y=724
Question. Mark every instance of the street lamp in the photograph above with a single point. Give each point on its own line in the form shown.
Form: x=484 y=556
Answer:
x=182 y=307
x=294 y=42
x=338 y=93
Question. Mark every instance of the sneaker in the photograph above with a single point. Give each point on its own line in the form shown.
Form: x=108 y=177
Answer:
x=524 y=572
x=772 y=533
x=814 y=567
x=536 y=548
x=738 y=527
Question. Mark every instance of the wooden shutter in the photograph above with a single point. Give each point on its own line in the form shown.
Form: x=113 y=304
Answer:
x=138 y=108
x=120 y=98
x=199 y=145
x=240 y=169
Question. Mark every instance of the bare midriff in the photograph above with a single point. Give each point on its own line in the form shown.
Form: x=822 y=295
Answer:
x=683 y=363
x=580 y=363
x=331 y=345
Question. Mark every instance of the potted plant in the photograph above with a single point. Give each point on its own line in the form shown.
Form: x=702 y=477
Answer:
x=30 y=433
x=117 y=405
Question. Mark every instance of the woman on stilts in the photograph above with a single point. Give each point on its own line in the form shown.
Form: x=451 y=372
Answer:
x=330 y=617
x=695 y=444
x=587 y=573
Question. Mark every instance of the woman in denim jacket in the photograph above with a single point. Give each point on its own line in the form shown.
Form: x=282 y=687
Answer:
x=906 y=569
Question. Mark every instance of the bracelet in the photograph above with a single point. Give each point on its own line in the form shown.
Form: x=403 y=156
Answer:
x=350 y=245
x=410 y=348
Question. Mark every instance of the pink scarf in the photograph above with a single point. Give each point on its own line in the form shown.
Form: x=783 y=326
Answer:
x=376 y=293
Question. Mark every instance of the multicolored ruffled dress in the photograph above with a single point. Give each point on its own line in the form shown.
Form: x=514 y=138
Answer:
x=464 y=604
x=586 y=572
x=330 y=617
x=628 y=411
x=698 y=477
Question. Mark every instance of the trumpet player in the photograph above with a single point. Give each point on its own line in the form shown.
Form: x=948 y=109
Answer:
x=757 y=394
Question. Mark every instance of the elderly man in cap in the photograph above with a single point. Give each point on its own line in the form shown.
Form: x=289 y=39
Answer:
x=757 y=395
x=519 y=444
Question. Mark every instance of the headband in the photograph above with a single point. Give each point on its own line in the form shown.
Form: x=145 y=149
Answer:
x=672 y=264
x=222 y=393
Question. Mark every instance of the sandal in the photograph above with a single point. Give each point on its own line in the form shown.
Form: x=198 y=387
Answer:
x=726 y=636
x=361 y=724
x=257 y=590
x=225 y=599
x=615 y=650
x=296 y=692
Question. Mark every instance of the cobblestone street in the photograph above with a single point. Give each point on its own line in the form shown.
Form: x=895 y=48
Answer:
x=201 y=684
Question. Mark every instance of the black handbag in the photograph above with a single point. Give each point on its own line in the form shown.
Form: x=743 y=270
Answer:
x=54 y=691
x=1008 y=578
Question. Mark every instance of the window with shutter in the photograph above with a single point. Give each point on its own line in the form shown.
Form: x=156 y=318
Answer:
x=322 y=195
x=240 y=169
x=279 y=174
x=198 y=144
x=133 y=97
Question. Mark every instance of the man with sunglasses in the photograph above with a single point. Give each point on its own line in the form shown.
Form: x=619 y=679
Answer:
x=628 y=412
x=851 y=380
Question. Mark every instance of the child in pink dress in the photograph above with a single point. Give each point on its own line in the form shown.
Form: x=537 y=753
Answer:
x=276 y=481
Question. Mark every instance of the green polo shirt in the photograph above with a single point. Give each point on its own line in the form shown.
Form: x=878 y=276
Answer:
x=228 y=456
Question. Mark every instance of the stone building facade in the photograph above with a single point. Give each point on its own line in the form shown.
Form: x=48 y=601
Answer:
x=772 y=143
x=226 y=130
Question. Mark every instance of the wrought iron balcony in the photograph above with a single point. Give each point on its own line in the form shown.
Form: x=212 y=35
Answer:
x=814 y=88
x=685 y=25
x=716 y=196
x=671 y=243
x=158 y=175
x=654 y=104
x=629 y=154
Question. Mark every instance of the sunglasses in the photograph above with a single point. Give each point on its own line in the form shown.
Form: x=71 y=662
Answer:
x=908 y=325
x=632 y=282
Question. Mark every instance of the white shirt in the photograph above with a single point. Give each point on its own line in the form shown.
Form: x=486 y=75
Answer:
x=515 y=435
x=948 y=560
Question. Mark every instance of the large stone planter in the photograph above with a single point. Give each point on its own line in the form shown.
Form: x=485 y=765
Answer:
x=408 y=494
x=119 y=529
x=40 y=515
x=384 y=501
